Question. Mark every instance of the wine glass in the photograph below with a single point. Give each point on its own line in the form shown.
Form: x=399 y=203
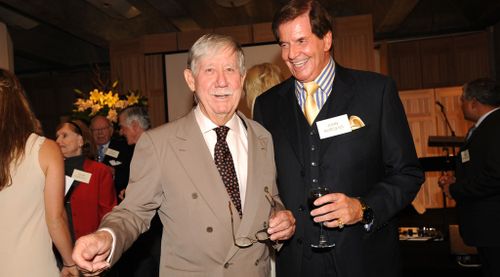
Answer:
x=315 y=193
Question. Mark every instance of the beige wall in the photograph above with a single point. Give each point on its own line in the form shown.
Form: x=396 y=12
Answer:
x=6 y=54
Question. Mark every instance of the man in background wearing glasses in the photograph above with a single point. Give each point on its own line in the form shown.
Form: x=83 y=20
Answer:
x=210 y=175
x=113 y=152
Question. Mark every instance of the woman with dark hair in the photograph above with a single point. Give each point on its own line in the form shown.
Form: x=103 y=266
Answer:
x=91 y=193
x=31 y=191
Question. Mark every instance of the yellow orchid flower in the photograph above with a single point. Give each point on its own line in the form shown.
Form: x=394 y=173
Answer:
x=132 y=99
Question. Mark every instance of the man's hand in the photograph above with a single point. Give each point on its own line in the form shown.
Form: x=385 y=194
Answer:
x=281 y=225
x=336 y=210
x=121 y=195
x=90 y=252
x=70 y=271
x=444 y=183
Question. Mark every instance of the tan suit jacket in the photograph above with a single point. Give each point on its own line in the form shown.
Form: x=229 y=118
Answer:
x=173 y=171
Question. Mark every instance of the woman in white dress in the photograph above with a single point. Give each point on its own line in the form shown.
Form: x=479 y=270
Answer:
x=32 y=211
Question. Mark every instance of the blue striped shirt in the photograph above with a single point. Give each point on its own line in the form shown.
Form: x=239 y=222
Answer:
x=325 y=82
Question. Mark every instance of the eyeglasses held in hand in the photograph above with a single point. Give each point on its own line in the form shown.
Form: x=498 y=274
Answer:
x=260 y=236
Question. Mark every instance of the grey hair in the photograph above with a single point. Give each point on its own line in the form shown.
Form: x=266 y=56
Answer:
x=486 y=91
x=212 y=43
x=137 y=113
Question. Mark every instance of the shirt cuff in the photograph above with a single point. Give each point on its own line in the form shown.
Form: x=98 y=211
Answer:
x=112 y=244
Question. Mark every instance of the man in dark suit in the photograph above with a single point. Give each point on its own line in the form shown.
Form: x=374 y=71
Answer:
x=211 y=176
x=476 y=184
x=114 y=152
x=348 y=133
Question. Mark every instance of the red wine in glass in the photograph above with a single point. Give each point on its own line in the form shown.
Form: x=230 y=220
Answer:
x=315 y=193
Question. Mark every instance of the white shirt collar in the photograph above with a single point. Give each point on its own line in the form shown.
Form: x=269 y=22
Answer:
x=206 y=125
x=484 y=116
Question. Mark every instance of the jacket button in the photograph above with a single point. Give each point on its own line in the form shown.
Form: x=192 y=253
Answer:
x=301 y=208
x=302 y=173
x=299 y=241
x=210 y=229
x=226 y=265
x=194 y=195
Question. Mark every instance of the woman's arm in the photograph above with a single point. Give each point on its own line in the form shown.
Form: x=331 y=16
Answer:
x=52 y=164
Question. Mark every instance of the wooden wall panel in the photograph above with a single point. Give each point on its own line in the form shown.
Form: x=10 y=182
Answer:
x=419 y=108
x=450 y=98
x=404 y=65
x=155 y=90
x=262 y=32
x=426 y=119
x=472 y=57
x=441 y=62
x=157 y=43
x=242 y=34
x=186 y=39
x=127 y=64
x=437 y=63
x=353 y=42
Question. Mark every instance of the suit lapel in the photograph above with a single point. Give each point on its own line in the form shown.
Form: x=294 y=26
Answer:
x=195 y=157
x=338 y=102
x=255 y=197
x=289 y=118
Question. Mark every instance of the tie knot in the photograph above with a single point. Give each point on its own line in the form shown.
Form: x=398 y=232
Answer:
x=311 y=88
x=221 y=132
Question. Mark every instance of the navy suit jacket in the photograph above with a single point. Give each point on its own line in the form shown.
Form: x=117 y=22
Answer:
x=377 y=162
x=121 y=163
x=477 y=188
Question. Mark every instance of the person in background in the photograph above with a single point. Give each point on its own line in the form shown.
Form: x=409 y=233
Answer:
x=142 y=259
x=343 y=130
x=111 y=151
x=91 y=193
x=260 y=78
x=476 y=184
x=133 y=122
x=31 y=192
x=210 y=175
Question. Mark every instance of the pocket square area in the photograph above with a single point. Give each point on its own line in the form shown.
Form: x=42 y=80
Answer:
x=356 y=122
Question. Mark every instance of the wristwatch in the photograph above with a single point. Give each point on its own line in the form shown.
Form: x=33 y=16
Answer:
x=368 y=216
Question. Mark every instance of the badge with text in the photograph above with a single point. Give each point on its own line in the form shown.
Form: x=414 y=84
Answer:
x=81 y=176
x=465 y=156
x=112 y=152
x=333 y=126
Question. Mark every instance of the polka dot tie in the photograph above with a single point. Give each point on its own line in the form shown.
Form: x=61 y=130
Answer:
x=225 y=165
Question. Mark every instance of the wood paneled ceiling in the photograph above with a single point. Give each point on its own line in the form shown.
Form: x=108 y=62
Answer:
x=52 y=35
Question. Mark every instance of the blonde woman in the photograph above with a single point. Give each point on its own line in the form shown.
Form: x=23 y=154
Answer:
x=260 y=78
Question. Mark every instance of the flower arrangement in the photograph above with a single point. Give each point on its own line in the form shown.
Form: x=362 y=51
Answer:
x=109 y=104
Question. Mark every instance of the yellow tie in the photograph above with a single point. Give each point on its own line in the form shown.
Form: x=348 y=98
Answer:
x=310 y=108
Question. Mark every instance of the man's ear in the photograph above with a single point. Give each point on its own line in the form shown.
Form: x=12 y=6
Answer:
x=328 y=39
x=188 y=76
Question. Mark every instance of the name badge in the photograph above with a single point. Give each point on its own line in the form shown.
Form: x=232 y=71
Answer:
x=465 y=156
x=112 y=152
x=81 y=176
x=333 y=126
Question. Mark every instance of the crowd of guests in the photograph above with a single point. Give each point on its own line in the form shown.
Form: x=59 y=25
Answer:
x=211 y=178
